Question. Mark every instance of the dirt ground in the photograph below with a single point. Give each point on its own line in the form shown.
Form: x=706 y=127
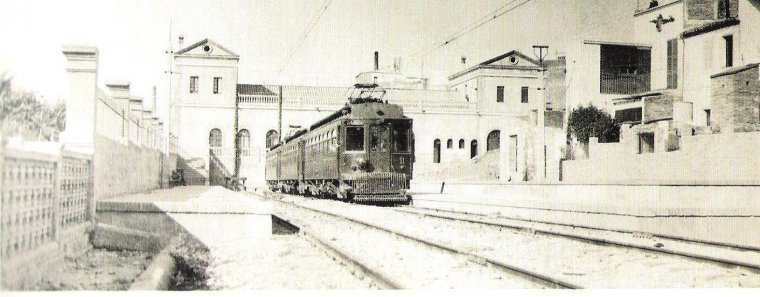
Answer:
x=98 y=269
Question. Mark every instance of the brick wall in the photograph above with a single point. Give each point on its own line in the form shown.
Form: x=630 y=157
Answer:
x=699 y=9
x=658 y=107
x=735 y=100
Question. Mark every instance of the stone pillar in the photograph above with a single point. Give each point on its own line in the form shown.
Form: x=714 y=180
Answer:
x=80 y=94
x=120 y=93
x=136 y=107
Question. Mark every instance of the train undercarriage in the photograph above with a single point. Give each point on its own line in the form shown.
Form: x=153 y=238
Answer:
x=386 y=188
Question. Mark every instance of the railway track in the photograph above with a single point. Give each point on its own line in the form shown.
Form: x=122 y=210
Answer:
x=736 y=256
x=486 y=266
x=564 y=258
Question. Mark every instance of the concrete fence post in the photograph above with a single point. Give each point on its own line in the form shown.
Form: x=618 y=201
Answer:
x=57 y=193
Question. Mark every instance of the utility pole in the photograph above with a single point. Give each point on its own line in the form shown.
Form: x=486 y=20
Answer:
x=167 y=144
x=542 y=111
x=279 y=116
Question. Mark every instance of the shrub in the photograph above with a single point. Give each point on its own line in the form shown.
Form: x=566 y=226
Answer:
x=585 y=122
x=21 y=113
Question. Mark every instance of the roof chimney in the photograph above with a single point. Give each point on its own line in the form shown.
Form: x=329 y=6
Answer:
x=377 y=61
x=181 y=41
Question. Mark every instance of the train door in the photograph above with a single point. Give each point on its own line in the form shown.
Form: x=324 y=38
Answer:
x=402 y=138
x=379 y=147
x=301 y=160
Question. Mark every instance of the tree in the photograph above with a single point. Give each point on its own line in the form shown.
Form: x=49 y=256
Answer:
x=585 y=122
x=21 y=113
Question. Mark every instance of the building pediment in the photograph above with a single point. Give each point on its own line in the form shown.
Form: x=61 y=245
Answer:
x=206 y=48
x=510 y=60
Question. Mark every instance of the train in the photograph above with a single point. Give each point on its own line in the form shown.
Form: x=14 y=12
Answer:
x=361 y=153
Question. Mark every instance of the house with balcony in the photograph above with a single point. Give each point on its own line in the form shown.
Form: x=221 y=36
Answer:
x=702 y=82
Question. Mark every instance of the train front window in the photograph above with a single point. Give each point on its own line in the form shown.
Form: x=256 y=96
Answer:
x=378 y=140
x=354 y=138
x=401 y=137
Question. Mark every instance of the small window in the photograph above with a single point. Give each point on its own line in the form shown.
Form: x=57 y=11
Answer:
x=401 y=137
x=449 y=143
x=436 y=151
x=354 y=138
x=500 y=94
x=729 y=39
x=217 y=82
x=379 y=138
x=524 y=98
x=193 y=84
x=461 y=144
x=707 y=117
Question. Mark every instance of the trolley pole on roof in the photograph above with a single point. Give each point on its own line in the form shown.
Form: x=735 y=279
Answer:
x=279 y=117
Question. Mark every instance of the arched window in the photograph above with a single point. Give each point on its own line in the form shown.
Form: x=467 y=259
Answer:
x=473 y=148
x=461 y=144
x=437 y=151
x=492 y=142
x=244 y=142
x=272 y=138
x=449 y=143
x=215 y=138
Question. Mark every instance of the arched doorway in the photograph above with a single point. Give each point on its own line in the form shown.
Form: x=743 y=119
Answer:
x=244 y=142
x=437 y=151
x=473 y=148
x=493 y=140
x=272 y=138
x=215 y=140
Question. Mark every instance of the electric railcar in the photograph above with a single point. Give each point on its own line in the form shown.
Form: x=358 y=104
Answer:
x=363 y=152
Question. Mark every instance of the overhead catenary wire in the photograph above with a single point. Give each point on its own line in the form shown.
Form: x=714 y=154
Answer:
x=491 y=16
x=309 y=27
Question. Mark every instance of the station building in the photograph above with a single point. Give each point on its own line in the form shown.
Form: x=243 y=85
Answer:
x=224 y=127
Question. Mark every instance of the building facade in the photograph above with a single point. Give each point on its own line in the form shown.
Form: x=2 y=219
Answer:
x=223 y=126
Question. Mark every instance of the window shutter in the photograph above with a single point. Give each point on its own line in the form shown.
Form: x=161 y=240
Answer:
x=672 y=63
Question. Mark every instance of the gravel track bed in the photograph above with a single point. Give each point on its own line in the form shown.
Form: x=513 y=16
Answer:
x=585 y=263
x=707 y=252
x=405 y=262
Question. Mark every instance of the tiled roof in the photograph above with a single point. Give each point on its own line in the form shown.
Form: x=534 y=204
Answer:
x=339 y=95
x=711 y=26
x=248 y=89
x=734 y=70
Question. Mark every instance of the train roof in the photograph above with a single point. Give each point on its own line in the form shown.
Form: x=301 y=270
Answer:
x=364 y=102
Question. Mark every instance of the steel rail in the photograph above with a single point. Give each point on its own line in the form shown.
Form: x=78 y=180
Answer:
x=483 y=260
x=666 y=251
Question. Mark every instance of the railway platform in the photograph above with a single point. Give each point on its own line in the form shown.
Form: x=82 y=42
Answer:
x=244 y=247
x=727 y=215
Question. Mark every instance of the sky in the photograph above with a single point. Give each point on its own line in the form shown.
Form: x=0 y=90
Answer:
x=133 y=36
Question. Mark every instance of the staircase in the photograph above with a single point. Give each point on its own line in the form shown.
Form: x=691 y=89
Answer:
x=195 y=171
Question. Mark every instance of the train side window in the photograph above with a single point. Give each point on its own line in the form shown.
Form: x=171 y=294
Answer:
x=379 y=138
x=401 y=137
x=354 y=138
